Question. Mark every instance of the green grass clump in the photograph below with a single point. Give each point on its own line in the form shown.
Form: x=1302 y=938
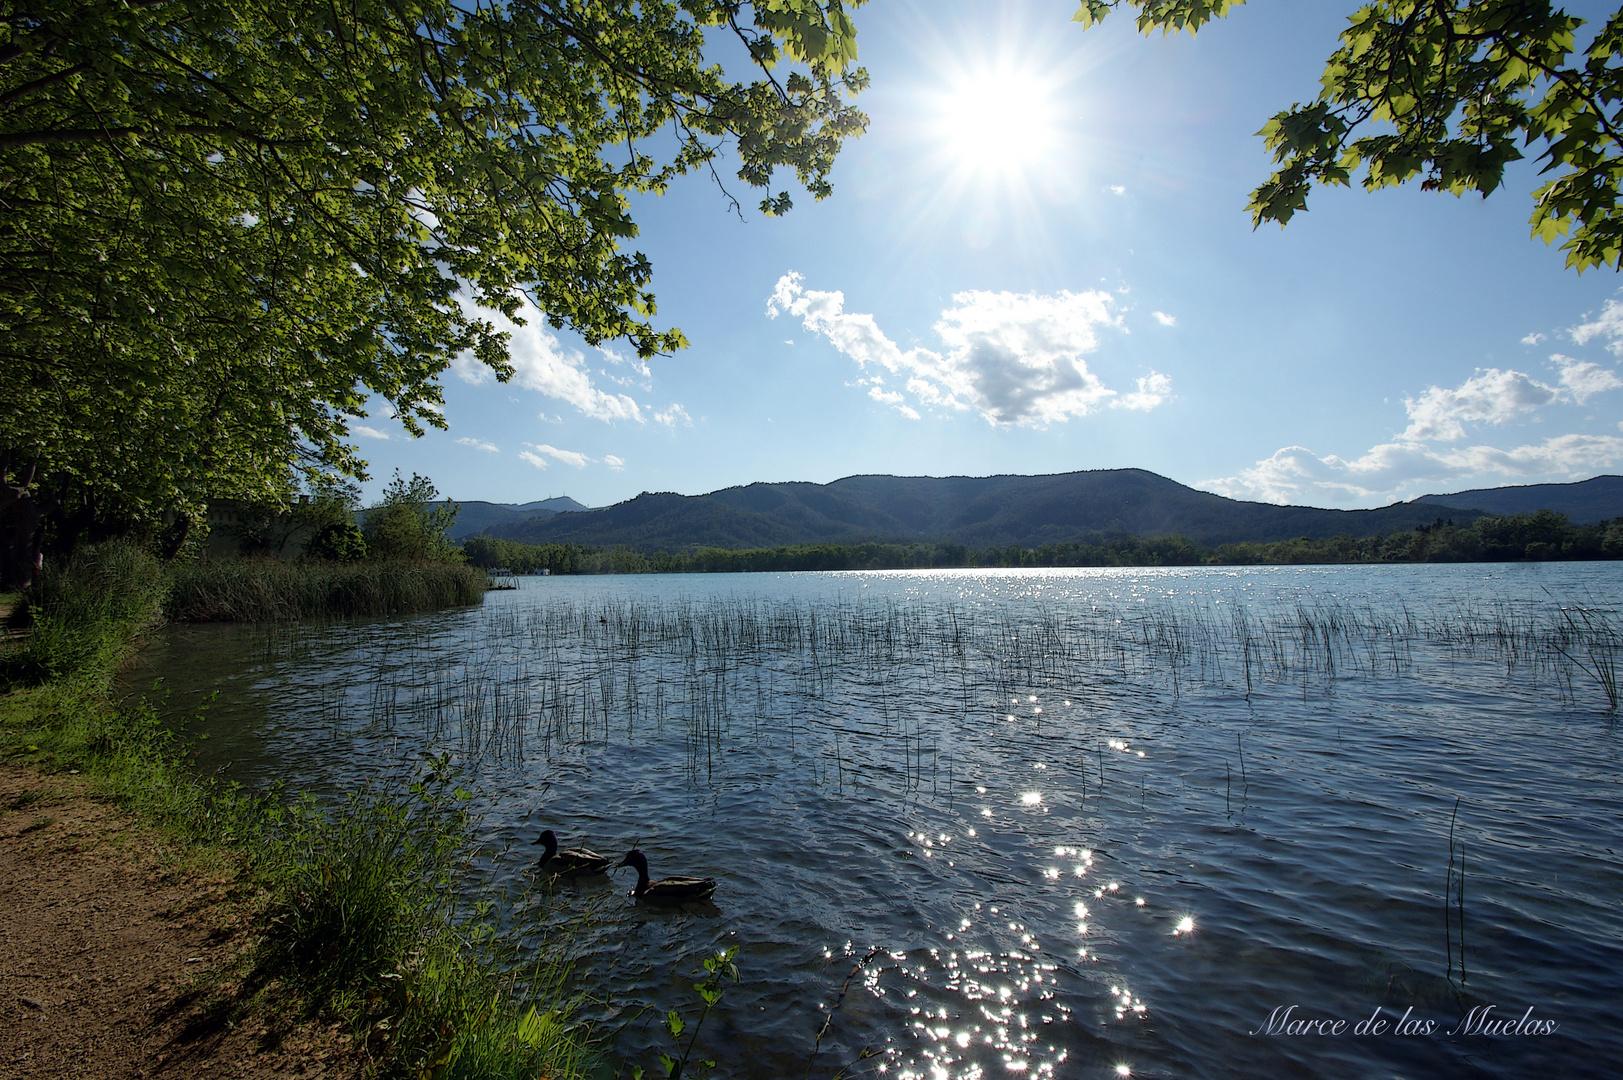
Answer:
x=85 y=616
x=365 y=924
x=253 y=590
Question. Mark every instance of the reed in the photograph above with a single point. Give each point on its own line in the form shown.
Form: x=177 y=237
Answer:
x=257 y=590
x=571 y=673
x=367 y=926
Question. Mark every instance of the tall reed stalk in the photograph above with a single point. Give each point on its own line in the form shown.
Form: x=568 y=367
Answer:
x=255 y=590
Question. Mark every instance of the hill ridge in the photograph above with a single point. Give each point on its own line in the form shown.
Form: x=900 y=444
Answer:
x=978 y=511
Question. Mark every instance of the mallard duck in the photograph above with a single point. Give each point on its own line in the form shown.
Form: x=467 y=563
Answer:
x=570 y=860
x=671 y=891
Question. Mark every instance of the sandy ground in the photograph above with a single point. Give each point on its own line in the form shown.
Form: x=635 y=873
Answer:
x=118 y=956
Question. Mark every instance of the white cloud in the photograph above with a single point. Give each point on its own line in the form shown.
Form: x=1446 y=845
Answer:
x=672 y=416
x=1164 y=319
x=1582 y=379
x=1609 y=324
x=1153 y=389
x=541 y=363
x=1491 y=396
x=893 y=399
x=568 y=457
x=1116 y=189
x=480 y=444
x=1399 y=470
x=1532 y=339
x=617 y=464
x=1016 y=358
x=368 y=432
x=1406 y=466
x=534 y=459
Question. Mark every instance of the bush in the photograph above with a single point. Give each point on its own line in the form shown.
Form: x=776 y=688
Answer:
x=86 y=615
x=337 y=542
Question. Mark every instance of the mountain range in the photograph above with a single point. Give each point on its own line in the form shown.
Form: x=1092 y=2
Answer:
x=996 y=510
x=476 y=517
x=1585 y=502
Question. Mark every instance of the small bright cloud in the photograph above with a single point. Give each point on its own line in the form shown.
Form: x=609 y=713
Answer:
x=1608 y=324
x=1532 y=339
x=1116 y=189
x=368 y=432
x=534 y=459
x=1153 y=389
x=1015 y=358
x=1164 y=319
x=614 y=462
x=480 y=444
x=893 y=399
x=1583 y=380
x=672 y=416
x=568 y=457
x=541 y=363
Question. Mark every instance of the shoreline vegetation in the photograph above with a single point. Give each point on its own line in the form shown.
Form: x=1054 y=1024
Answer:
x=357 y=923
x=267 y=589
x=1541 y=536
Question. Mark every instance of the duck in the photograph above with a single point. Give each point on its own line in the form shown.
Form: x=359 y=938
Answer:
x=670 y=891
x=570 y=860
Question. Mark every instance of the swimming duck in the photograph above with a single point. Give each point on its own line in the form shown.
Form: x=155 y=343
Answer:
x=570 y=860
x=670 y=891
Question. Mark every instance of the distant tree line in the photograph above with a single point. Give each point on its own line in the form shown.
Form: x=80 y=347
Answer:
x=1544 y=535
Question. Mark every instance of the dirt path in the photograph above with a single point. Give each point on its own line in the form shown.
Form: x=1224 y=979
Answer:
x=117 y=960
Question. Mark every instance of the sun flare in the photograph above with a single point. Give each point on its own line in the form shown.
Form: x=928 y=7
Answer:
x=997 y=121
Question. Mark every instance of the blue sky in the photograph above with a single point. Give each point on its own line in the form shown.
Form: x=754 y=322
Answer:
x=1038 y=260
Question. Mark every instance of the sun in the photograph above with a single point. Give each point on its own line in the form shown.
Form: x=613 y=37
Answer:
x=1001 y=121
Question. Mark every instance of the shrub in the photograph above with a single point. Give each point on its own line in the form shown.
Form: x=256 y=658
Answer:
x=86 y=615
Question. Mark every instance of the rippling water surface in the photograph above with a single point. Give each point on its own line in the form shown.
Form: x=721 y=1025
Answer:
x=1062 y=823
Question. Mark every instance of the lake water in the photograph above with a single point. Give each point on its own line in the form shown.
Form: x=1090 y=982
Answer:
x=1062 y=823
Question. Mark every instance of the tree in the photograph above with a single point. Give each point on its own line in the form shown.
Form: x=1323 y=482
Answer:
x=223 y=226
x=409 y=523
x=1450 y=91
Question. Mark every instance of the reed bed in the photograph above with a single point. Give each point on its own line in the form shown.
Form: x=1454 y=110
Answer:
x=888 y=686
x=257 y=590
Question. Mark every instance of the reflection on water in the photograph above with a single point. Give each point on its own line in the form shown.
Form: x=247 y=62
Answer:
x=1061 y=823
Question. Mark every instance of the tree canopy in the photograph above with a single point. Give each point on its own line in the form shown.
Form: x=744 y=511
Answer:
x=225 y=226
x=1449 y=91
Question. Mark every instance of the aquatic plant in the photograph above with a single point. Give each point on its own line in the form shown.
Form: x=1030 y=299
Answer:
x=253 y=590
x=716 y=971
x=366 y=924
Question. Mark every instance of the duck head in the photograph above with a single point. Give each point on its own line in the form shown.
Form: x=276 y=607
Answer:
x=635 y=858
x=550 y=839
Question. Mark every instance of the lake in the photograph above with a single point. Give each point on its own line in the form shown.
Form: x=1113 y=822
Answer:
x=1062 y=823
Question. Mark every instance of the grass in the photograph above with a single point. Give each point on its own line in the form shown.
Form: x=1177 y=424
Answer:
x=259 y=590
x=359 y=924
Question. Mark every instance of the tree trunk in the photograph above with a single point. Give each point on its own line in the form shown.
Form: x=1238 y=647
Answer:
x=21 y=524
